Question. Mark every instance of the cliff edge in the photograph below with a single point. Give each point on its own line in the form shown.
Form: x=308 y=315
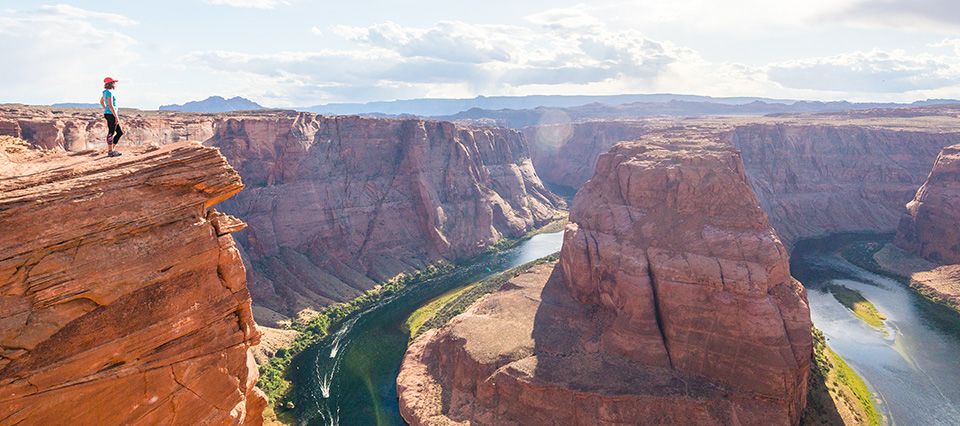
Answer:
x=123 y=298
x=930 y=227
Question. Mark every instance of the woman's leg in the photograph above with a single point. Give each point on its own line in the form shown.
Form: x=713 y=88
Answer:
x=111 y=129
x=117 y=135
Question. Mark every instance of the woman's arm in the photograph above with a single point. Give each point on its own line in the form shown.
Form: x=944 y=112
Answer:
x=112 y=110
x=101 y=103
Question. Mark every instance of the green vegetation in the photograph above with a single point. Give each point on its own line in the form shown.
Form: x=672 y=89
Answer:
x=861 y=253
x=430 y=309
x=861 y=307
x=832 y=383
x=459 y=300
x=273 y=375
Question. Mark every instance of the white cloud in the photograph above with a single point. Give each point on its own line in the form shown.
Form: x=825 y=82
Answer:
x=251 y=4
x=63 y=52
x=876 y=71
x=464 y=58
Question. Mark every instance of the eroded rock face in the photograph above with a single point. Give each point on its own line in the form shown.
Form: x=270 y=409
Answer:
x=336 y=205
x=672 y=303
x=814 y=175
x=123 y=298
x=818 y=179
x=930 y=227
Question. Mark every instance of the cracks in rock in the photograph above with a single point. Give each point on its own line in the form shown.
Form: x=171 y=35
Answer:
x=657 y=315
x=173 y=373
x=786 y=331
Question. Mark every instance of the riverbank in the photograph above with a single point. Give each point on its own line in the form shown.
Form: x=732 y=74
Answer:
x=910 y=367
x=837 y=394
x=290 y=337
x=274 y=380
x=939 y=284
x=442 y=309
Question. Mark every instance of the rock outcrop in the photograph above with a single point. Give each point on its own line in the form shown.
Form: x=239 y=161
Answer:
x=336 y=205
x=122 y=294
x=672 y=303
x=930 y=228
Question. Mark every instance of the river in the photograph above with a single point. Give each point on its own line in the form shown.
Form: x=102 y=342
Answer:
x=350 y=377
x=914 y=365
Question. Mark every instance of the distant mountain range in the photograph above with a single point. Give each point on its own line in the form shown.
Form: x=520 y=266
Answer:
x=215 y=104
x=518 y=118
x=428 y=107
x=521 y=111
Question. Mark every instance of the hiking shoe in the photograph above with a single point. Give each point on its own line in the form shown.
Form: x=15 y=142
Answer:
x=114 y=154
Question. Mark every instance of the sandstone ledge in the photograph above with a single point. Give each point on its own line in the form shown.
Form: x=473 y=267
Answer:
x=122 y=295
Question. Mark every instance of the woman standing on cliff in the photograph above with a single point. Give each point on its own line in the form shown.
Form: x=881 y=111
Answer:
x=109 y=104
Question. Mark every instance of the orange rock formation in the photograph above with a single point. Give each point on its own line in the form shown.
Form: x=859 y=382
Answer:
x=123 y=298
x=672 y=303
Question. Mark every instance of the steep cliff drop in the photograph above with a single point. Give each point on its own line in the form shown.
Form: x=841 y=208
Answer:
x=339 y=204
x=336 y=205
x=930 y=229
x=813 y=174
x=122 y=295
x=672 y=303
x=931 y=225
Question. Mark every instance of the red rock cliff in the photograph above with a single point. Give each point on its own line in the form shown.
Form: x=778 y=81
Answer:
x=823 y=178
x=122 y=295
x=814 y=175
x=672 y=303
x=338 y=204
x=931 y=225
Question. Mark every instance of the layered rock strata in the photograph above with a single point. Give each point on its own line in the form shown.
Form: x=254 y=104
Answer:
x=336 y=205
x=817 y=179
x=814 y=175
x=930 y=227
x=122 y=294
x=672 y=303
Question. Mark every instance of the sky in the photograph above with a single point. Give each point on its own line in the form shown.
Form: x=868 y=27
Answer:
x=284 y=53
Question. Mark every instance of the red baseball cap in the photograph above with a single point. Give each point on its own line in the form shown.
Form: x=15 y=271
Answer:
x=109 y=80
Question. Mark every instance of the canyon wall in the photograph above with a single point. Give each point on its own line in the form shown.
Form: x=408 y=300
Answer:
x=336 y=205
x=819 y=179
x=81 y=129
x=930 y=227
x=122 y=294
x=814 y=175
x=672 y=303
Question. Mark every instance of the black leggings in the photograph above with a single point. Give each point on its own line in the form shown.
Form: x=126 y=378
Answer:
x=114 y=132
